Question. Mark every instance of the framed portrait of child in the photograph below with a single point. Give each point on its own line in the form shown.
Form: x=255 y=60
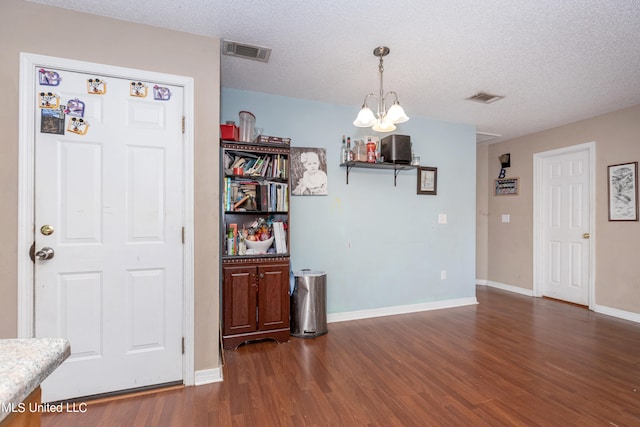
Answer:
x=308 y=170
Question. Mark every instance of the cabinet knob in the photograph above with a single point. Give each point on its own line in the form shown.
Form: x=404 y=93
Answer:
x=261 y=275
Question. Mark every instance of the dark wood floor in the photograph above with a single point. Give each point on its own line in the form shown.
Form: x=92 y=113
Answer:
x=509 y=361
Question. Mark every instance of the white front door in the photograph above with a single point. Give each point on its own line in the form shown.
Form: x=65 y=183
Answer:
x=108 y=202
x=566 y=223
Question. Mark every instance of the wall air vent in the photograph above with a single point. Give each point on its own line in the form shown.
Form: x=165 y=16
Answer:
x=242 y=50
x=485 y=98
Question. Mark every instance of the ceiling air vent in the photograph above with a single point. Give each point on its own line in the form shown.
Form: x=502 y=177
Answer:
x=485 y=137
x=485 y=98
x=242 y=50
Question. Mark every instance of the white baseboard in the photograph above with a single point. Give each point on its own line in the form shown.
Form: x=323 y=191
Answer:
x=402 y=309
x=510 y=288
x=208 y=376
x=609 y=311
x=621 y=314
x=482 y=282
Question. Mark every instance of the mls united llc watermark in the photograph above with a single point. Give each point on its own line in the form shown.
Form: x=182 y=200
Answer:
x=23 y=407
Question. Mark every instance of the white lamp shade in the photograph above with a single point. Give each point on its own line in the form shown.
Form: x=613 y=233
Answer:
x=365 y=118
x=384 y=126
x=396 y=114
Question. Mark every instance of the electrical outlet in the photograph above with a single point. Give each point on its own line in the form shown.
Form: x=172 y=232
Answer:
x=443 y=275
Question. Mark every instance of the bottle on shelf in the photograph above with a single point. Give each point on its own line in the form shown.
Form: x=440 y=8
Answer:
x=230 y=243
x=343 y=151
x=371 y=151
x=350 y=155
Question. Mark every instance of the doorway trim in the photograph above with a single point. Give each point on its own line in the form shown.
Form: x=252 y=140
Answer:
x=538 y=198
x=26 y=187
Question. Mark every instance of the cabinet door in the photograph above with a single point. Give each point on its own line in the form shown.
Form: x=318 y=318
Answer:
x=240 y=293
x=273 y=299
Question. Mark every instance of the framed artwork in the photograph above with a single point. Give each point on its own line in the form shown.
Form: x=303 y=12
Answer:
x=427 y=180
x=308 y=171
x=623 y=192
x=507 y=186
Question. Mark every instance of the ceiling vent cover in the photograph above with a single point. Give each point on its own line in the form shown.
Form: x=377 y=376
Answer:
x=242 y=50
x=485 y=98
x=485 y=137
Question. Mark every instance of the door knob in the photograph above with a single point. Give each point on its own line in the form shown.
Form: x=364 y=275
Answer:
x=46 y=230
x=586 y=235
x=45 y=254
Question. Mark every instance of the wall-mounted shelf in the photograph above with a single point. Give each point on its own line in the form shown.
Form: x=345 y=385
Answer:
x=366 y=165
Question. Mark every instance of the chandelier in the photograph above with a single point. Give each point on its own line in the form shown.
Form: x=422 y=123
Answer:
x=384 y=121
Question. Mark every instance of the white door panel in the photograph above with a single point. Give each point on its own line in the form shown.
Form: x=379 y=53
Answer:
x=566 y=219
x=114 y=198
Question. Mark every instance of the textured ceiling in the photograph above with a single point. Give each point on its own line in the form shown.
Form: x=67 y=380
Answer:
x=555 y=61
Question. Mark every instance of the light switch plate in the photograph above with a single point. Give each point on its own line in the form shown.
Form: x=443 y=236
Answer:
x=506 y=218
x=442 y=218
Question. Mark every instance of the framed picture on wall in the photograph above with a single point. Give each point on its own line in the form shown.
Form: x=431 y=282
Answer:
x=623 y=192
x=427 y=180
x=308 y=171
x=507 y=186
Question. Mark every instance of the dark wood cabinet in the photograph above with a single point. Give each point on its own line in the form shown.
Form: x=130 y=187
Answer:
x=255 y=300
x=255 y=284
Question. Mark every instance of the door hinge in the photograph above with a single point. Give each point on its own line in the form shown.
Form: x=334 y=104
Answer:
x=183 y=120
x=182 y=345
x=183 y=235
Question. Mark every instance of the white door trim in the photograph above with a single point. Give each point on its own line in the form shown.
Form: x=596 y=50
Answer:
x=26 y=187
x=538 y=194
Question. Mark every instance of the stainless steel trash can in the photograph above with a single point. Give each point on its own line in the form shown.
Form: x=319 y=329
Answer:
x=309 y=304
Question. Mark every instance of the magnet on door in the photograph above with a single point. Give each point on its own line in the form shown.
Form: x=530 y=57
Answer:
x=75 y=108
x=161 y=93
x=138 y=89
x=49 y=100
x=96 y=86
x=48 y=78
x=52 y=121
x=78 y=126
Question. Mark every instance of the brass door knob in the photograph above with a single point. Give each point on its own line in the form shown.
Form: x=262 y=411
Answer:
x=586 y=235
x=46 y=230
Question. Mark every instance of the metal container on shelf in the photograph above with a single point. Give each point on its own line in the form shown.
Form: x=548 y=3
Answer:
x=247 y=126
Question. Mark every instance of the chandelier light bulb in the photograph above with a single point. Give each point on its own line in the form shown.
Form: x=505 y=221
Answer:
x=365 y=118
x=396 y=114
x=384 y=126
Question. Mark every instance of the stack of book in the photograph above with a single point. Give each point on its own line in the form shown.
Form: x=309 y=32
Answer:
x=250 y=195
x=266 y=165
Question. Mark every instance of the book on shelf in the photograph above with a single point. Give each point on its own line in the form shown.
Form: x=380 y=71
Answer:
x=280 y=237
x=272 y=139
x=239 y=203
x=238 y=162
x=265 y=165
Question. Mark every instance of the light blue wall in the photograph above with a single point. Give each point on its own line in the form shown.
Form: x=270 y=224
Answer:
x=380 y=245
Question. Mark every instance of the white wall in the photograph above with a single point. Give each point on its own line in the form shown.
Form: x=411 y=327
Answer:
x=380 y=245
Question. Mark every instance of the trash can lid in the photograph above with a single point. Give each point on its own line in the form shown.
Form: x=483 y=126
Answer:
x=308 y=272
